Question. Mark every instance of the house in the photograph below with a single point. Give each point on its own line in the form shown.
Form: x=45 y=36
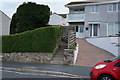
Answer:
x=94 y=19
x=98 y=22
x=4 y=24
x=58 y=19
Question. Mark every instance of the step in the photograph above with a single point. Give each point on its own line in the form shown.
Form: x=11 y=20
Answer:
x=56 y=62
x=57 y=59
x=59 y=56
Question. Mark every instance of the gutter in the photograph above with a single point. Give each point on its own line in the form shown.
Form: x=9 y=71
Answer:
x=95 y=3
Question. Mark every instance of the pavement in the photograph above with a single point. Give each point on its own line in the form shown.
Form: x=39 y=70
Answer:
x=89 y=54
x=65 y=70
x=13 y=74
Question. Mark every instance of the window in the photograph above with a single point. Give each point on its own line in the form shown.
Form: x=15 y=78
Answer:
x=112 y=7
x=95 y=30
x=112 y=29
x=95 y=8
x=117 y=64
x=79 y=10
x=81 y=29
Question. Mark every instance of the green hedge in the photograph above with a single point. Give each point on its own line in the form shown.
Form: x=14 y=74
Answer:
x=39 y=40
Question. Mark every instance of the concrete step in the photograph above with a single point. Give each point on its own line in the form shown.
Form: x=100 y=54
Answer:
x=59 y=56
x=57 y=59
x=56 y=62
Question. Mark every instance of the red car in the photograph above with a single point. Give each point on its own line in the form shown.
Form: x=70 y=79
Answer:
x=106 y=70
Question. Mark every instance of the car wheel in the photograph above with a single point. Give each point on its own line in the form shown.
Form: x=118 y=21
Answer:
x=106 y=77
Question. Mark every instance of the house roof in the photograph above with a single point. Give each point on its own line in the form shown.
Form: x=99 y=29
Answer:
x=89 y=1
x=5 y=14
x=78 y=2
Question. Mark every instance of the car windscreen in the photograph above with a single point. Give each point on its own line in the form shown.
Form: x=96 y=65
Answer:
x=112 y=60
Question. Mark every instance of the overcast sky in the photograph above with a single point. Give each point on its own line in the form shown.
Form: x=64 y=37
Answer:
x=9 y=6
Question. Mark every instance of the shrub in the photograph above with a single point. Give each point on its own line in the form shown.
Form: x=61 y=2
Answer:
x=39 y=40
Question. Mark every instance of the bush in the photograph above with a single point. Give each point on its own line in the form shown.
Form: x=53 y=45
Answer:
x=29 y=16
x=39 y=40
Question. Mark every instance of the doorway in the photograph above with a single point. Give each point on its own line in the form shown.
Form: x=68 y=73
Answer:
x=94 y=30
x=80 y=31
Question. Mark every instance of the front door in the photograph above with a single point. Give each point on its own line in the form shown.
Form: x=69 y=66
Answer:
x=80 y=31
x=94 y=30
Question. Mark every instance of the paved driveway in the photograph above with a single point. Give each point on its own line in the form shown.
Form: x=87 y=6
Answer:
x=89 y=54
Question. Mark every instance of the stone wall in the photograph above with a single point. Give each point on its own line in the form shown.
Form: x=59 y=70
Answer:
x=28 y=57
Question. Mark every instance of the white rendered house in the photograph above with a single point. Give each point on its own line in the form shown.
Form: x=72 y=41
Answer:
x=4 y=24
x=98 y=22
x=58 y=19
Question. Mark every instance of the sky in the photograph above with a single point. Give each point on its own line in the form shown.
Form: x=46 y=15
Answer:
x=9 y=7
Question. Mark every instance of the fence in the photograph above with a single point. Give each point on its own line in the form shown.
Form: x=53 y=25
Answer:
x=69 y=35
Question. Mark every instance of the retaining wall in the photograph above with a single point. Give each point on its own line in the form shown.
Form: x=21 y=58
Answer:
x=28 y=57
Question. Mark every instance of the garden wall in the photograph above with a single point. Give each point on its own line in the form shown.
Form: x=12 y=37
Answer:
x=28 y=57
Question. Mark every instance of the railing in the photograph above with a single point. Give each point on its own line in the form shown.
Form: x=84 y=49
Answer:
x=76 y=17
x=69 y=35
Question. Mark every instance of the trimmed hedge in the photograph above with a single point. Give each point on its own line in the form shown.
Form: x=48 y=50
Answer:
x=39 y=40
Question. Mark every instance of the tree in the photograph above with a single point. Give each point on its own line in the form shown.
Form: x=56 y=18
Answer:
x=13 y=24
x=29 y=16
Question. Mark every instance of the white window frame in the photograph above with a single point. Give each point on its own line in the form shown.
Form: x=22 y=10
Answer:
x=112 y=7
x=95 y=8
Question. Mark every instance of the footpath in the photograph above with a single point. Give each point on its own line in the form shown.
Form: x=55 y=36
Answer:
x=65 y=70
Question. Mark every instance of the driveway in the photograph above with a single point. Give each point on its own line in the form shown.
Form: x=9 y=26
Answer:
x=89 y=54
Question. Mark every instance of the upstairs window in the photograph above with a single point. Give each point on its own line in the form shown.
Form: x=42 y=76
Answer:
x=95 y=8
x=79 y=11
x=112 y=7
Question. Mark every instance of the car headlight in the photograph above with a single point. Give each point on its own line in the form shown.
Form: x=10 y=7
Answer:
x=100 y=66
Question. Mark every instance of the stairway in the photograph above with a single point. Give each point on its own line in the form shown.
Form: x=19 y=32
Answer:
x=59 y=56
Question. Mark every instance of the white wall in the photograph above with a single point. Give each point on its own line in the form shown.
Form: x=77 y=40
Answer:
x=0 y=23
x=106 y=43
x=55 y=19
x=4 y=24
x=65 y=22
x=75 y=54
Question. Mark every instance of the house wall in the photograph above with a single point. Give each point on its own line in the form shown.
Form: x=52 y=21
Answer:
x=65 y=22
x=0 y=23
x=102 y=16
x=55 y=19
x=5 y=24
